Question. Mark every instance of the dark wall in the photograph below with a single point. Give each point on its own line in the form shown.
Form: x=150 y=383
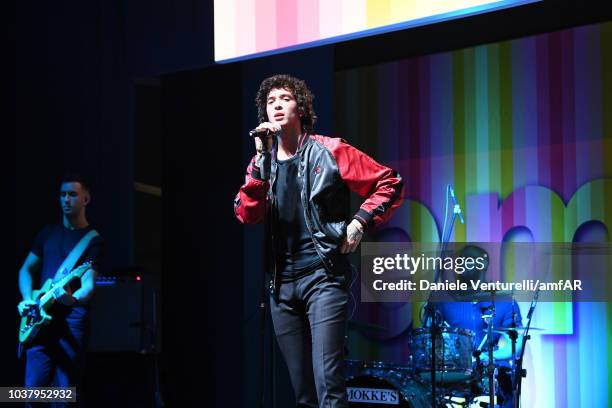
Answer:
x=201 y=283
x=164 y=36
x=72 y=114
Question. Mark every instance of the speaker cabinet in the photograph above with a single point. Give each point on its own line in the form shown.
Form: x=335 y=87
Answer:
x=122 y=316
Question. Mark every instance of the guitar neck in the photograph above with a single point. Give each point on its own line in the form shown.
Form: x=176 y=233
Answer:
x=76 y=273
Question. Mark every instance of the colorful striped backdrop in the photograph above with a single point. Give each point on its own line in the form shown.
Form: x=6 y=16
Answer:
x=252 y=27
x=523 y=130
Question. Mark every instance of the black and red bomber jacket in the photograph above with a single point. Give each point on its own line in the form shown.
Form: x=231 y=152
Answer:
x=329 y=168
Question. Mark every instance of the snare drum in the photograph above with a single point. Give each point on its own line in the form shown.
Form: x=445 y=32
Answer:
x=454 y=349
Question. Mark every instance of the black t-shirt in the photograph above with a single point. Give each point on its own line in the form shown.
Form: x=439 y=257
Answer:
x=297 y=255
x=53 y=244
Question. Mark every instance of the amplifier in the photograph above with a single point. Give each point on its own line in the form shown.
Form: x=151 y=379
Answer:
x=121 y=315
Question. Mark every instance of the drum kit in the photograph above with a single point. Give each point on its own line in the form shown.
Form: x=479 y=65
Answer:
x=445 y=368
x=445 y=372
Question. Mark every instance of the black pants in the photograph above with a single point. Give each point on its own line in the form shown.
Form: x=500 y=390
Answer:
x=309 y=319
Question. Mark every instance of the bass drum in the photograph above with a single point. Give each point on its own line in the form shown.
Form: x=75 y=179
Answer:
x=378 y=385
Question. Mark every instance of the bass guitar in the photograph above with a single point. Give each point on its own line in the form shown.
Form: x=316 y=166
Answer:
x=38 y=315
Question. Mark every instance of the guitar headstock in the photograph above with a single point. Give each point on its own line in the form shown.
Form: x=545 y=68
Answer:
x=85 y=265
x=82 y=268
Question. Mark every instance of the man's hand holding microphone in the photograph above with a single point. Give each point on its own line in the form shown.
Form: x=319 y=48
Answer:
x=264 y=132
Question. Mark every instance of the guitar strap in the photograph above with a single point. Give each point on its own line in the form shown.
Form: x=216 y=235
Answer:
x=75 y=254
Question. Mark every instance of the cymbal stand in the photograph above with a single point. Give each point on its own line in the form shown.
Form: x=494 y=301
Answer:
x=520 y=372
x=488 y=318
x=513 y=334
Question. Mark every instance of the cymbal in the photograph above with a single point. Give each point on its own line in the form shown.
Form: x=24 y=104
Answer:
x=486 y=295
x=355 y=324
x=504 y=330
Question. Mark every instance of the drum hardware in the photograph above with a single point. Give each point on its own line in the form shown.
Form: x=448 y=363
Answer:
x=445 y=364
x=457 y=380
x=488 y=314
x=517 y=371
x=507 y=330
x=502 y=295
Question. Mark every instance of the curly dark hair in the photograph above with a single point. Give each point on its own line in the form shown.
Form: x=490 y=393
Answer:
x=301 y=93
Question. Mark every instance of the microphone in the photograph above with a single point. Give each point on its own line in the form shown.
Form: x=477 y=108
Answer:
x=533 y=303
x=457 y=208
x=262 y=132
x=264 y=163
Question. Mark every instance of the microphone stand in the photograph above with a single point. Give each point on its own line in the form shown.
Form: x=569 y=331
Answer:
x=431 y=309
x=520 y=373
x=513 y=334
x=159 y=401
x=262 y=336
x=265 y=175
x=150 y=330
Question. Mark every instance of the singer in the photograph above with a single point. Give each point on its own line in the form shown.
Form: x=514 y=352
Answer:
x=299 y=183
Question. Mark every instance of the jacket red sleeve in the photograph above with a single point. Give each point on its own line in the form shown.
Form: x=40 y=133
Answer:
x=382 y=187
x=250 y=202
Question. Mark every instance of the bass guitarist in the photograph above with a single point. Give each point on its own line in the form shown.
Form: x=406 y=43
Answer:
x=55 y=356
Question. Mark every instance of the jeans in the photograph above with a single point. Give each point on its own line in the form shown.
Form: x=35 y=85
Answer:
x=56 y=357
x=309 y=318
